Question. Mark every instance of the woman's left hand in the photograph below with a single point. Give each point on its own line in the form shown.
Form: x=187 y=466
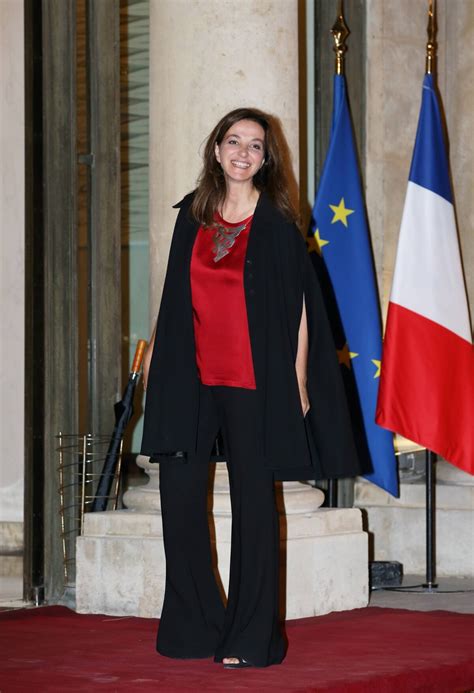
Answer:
x=302 y=360
x=305 y=405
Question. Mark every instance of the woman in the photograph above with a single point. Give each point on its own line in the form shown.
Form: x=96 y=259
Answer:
x=241 y=344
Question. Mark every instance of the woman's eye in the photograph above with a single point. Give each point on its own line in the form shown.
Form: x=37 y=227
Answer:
x=232 y=142
x=256 y=146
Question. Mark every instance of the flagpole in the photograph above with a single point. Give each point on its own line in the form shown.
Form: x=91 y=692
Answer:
x=348 y=281
x=430 y=457
x=430 y=481
x=431 y=43
x=340 y=31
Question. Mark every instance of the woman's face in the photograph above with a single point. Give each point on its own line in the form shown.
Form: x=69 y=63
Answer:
x=242 y=150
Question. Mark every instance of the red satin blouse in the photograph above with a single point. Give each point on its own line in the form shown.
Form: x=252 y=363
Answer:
x=223 y=351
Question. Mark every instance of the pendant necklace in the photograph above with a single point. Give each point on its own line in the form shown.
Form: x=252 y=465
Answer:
x=224 y=238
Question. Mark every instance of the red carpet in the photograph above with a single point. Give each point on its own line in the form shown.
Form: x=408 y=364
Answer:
x=381 y=650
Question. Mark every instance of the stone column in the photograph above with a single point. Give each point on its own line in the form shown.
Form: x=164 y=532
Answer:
x=12 y=278
x=206 y=58
x=121 y=564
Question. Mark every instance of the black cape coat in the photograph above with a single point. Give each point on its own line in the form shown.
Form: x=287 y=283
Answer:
x=277 y=274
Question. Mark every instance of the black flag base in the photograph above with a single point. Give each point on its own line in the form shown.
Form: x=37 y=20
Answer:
x=384 y=574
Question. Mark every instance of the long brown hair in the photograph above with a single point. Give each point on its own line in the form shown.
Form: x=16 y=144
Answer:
x=271 y=177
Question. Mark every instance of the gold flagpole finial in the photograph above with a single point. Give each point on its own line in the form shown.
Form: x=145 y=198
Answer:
x=431 y=43
x=340 y=32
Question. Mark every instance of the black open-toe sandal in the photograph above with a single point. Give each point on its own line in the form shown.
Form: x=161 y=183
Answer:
x=241 y=664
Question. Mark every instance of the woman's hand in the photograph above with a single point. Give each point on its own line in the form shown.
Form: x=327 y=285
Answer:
x=304 y=399
x=301 y=363
x=146 y=366
x=147 y=359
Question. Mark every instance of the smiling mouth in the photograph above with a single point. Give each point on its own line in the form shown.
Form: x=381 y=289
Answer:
x=240 y=164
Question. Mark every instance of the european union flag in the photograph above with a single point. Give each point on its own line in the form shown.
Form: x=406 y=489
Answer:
x=341 y=236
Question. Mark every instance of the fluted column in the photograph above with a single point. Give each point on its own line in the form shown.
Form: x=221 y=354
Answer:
x=207 y=57
x=292 y=496
x=12 y=280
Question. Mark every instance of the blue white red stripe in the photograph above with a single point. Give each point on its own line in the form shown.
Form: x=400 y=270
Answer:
x=427 y=382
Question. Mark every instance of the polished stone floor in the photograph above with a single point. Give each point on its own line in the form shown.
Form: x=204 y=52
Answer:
x=452 y=594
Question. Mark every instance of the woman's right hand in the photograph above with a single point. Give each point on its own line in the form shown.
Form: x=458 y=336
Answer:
x=147 y=358
x=146 y=365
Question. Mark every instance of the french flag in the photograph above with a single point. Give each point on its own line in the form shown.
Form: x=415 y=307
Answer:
x=426 y=388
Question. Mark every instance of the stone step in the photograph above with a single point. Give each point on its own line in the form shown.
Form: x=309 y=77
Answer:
x=11 y=565
x=129 y=523
x=448 y=496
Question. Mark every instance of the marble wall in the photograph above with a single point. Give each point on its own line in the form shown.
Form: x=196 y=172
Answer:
x=396 y=40
x=12 y=277
x=396 y=47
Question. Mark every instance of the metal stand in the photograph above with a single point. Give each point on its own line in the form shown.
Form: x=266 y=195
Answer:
x=430 y=584
x=78 y=456
x=332 y=493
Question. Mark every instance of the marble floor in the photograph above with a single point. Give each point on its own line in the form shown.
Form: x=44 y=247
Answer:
x=453 y=594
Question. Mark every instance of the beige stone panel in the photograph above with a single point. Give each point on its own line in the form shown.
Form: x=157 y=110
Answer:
x=12 y=259
x=120 y=575
x=207 y=57
x=398 y=525
x=450 y=495
x=11 y=537
x=395 y=178
x=402 y=98
x=395 y=69
x=403 y=19
x=11 y=579
x=337 y=579
x=121 y=563
x=407 y=544
x=459 y=107
x=375 y=172
x=375 y=169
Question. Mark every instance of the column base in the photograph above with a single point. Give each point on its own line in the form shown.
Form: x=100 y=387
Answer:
x=398 y=525
x=121 y=564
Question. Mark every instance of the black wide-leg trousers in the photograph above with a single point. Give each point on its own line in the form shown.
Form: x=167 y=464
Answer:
x=194 y=622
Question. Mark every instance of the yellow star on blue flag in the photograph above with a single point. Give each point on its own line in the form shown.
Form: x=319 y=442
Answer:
x=320 y=241
x=341 y=212
x=315 y=243
x=344 y=356
x=377 y=363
